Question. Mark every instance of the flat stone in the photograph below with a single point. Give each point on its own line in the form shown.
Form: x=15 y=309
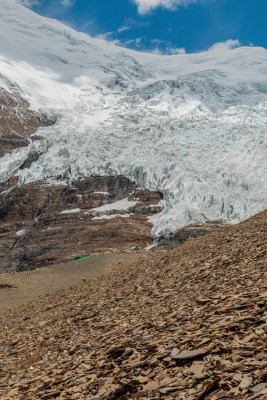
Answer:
x=175 y=351
x=259 y=387
x=246 y=382
x=186 y=355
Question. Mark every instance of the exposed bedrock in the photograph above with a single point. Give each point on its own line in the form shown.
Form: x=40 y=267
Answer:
x=17 y=122
x=42 y=223
x=188 y=232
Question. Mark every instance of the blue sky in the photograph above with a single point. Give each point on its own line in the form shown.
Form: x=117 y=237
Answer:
x=164 y=26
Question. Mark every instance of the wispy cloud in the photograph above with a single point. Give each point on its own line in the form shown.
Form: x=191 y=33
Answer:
x=31 y=3
x=139 y=43
x=145 y=6
x=157 y=42
x=28 y=3
x=109 y=37
x=68 y=3
x=123 y=29
x=163 y=47
x=171 y=51
x=175 y=50
x=227 y=45
x=106 y=36
x=156 y=50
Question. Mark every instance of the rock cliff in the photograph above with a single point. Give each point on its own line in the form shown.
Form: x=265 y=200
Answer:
x=17 y=122
x=44 y=223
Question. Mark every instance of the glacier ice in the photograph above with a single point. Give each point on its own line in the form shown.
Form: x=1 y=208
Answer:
x=191 y=126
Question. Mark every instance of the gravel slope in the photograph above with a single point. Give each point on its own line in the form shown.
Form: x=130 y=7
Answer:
x=188 y=324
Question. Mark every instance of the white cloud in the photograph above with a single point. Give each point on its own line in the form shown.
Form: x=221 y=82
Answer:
x=163 y=47
x=105 y=36
x=68 y=3
x=157 y=41
x=123 y=28
x=28 y=3
x=168 y=51
x=125 y=43
x=108 y=36
x=138 y=41
x=145 y=6
x=31 y=3
x=156 y=50
x=227 y=45
x=175 y=50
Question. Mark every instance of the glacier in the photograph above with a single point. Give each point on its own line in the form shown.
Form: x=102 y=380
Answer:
x=192 y=126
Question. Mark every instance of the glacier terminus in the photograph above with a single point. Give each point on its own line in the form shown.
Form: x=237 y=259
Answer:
x=192 y=126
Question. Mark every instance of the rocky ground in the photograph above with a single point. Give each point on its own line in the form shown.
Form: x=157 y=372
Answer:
x=188 y=232
x=20 y=288
x=189 y=324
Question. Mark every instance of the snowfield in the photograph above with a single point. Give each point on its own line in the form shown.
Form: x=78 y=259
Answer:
x=121 y=205
x=192 y=126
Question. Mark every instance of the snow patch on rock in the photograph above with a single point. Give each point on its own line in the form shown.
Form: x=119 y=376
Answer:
x=73 y=211
x=120 y=205
x=21 y=232
x=111 y=216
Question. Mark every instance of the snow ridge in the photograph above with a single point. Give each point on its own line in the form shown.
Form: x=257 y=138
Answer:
x=192 y=126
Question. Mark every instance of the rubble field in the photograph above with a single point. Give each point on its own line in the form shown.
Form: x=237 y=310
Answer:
x=188 y=324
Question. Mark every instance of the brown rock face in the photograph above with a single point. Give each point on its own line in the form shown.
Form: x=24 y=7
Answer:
x=42 y=224
x=17 y=122
x=188 y=233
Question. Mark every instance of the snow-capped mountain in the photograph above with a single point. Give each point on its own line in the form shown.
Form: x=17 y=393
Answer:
x=191 y=126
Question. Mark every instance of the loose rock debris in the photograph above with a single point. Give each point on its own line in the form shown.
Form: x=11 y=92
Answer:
x=189 y=324
x=6 y=286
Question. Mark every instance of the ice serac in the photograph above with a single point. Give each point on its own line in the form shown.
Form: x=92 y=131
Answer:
x=191 y=126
